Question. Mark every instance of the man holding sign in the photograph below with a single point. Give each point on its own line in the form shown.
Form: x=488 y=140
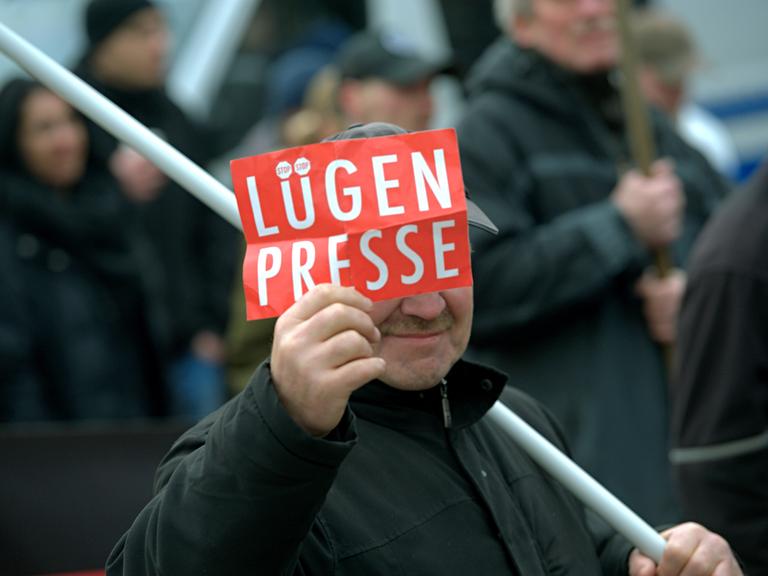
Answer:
x=360 y=447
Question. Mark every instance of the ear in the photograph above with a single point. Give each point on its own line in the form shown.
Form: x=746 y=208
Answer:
x=522 y=27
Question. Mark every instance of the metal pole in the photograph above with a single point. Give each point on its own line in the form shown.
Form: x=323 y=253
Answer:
x=581 y=484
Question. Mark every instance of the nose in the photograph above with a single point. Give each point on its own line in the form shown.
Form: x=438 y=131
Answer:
x=427 y=306
x=158 y=44
x=66 y=136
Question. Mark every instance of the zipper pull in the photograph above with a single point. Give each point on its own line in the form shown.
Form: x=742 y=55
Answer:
x=446 y=405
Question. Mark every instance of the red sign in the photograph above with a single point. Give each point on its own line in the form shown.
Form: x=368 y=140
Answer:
x=386 y=215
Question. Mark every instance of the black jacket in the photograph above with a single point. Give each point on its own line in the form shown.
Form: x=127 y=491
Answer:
x=720 y=397
x=79 y=332
x=554 y=291
x=197 y=250
x=389 y=491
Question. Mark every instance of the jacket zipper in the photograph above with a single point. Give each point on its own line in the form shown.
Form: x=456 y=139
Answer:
x=445 y=403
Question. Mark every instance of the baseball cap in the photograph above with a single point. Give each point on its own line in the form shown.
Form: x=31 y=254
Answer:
x=388 y=56
x=665 y=45
x=475 y=216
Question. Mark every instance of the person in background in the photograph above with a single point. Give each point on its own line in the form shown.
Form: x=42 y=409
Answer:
x=719 y=400
x=287 y=80
x=126 y=60
x=668 y=57
x=567 y=302
x=320 y=116
x=78 y=337
x=385 y=79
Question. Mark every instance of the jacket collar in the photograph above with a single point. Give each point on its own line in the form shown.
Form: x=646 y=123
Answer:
x=471 y=391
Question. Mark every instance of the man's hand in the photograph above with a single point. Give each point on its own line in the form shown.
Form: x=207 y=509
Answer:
x=323 y=350
x=661 y=303
x=139 y=178
x=691 y=550
x=653 y=206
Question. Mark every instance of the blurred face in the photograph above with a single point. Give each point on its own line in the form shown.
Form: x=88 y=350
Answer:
x=579 y=35
x=374 y=100
x=423 y=336
x=667 y=97
x=52 y=140
x=134 y=55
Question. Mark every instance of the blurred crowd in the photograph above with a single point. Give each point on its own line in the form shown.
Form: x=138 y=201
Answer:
x=121 y=295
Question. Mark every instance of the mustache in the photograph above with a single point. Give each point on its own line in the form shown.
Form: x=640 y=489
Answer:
x=413 y=325
x=604 y=24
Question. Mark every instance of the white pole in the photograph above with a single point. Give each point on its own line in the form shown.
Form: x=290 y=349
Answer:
x=581 y=484
x=122 y=125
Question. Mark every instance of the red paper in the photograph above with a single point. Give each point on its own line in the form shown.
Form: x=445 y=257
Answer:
x=386 y=215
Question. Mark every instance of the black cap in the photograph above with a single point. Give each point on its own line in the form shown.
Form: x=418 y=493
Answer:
x=388 y=56
x=475 y=216
x=102 y=17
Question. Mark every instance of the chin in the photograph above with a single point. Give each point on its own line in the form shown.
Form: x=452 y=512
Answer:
x=416 y=375
x=66 y=179
x=598 y=65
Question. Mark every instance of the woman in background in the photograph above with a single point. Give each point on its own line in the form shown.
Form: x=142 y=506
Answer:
x=78 y=338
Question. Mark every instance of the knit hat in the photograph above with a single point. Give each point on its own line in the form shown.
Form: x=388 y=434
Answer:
x=102 y=17
x=665 y=45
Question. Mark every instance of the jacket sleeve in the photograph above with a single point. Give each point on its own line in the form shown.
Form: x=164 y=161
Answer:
x=237 y=494
x=532 y=269
x=720 y=409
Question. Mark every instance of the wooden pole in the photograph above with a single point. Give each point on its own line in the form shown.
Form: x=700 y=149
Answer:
x=639 y=133
x=638 y=123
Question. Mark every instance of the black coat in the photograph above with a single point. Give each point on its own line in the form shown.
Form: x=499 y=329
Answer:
x=554 y=291
x=720 y=398
x=389 y=491
x=79 y=335
x=197 y=250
